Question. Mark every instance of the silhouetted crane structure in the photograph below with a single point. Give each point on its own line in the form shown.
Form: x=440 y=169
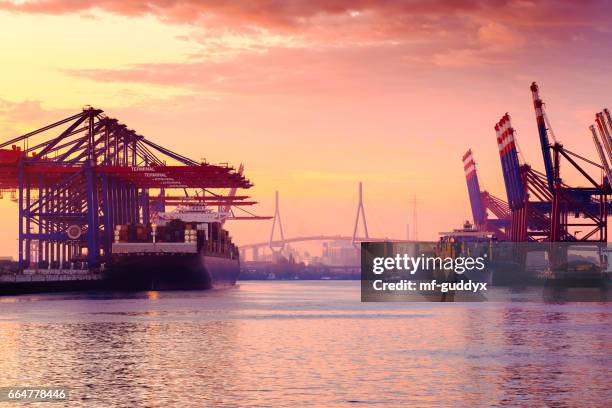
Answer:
x=482 y=202
x=76 y=179
x=542 y=207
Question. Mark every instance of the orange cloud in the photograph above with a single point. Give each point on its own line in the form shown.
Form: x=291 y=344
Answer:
x=15 y=117
x=308 y=46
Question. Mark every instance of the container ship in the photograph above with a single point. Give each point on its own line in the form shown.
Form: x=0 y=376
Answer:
x=187 y=250
x=184 y=250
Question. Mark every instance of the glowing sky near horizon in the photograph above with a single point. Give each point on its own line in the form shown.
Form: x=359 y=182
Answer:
x=314 y=96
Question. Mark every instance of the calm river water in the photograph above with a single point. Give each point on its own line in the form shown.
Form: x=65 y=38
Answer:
x=304 y=344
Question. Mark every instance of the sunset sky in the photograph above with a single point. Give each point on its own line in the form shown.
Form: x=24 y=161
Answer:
x=314 y=96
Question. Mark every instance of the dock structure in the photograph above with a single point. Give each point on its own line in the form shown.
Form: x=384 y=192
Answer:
x=51 y=275
x=541 y=206
x=76 y=179
x=50 y=280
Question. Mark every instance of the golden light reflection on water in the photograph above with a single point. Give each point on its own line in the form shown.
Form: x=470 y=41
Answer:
x=301 y=343
x=152 y=295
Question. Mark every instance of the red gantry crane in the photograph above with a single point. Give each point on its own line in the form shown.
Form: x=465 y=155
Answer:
x=76 y=179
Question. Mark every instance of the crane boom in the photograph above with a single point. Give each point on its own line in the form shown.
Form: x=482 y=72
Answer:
x=604 y=132
x=515 y=188
x=478 y=212
x=600 y=152
x=538 y=105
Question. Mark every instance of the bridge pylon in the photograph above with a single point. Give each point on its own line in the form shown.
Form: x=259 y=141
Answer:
x=276 y=246
x=360 y=211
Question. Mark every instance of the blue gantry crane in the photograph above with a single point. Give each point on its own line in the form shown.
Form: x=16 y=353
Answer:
x=76 y=179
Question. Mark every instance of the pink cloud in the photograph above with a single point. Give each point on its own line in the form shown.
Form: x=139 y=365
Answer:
x=446 y=33
x=277 y=71
x=385 y=18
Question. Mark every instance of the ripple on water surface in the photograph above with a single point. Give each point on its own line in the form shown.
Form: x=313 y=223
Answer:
x=303 y=343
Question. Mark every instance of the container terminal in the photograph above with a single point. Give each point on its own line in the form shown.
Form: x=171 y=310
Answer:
x=543 y=213
x=100 y=205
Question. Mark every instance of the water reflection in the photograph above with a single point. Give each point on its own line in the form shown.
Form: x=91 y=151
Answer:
x=304 y=343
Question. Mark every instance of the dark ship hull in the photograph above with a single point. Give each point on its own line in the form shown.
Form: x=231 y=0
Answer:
x=133 y=273
x=172 y=272
x=186 y=259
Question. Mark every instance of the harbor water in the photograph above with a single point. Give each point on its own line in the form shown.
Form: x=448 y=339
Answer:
x=304 y=343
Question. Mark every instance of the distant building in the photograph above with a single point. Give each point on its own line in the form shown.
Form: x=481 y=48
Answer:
x=340 y=253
